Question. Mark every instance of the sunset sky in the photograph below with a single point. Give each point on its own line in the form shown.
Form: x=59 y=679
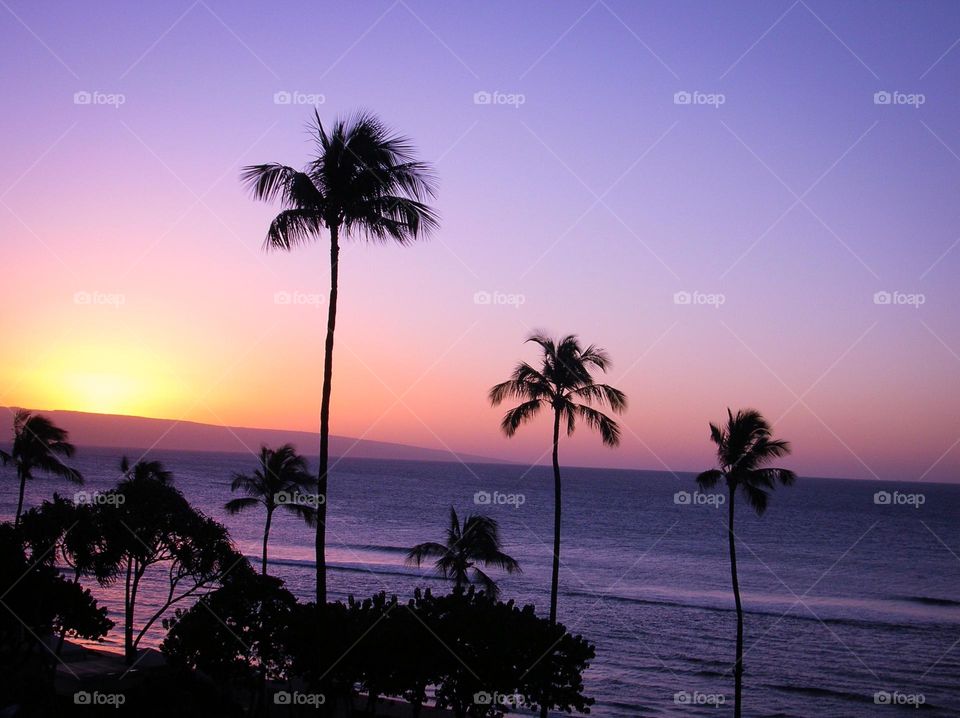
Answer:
x=584 y=196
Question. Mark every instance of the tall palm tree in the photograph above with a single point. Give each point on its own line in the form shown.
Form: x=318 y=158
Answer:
x=280 y=482
x=744 y=446
x=364 y=182
x=475 y=542
x=564 y=384
x=38 y=444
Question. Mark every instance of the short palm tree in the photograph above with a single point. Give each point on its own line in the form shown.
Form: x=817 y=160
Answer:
x=476 y=541
x=38 y=444
x=744 y=446
x=145 y=469
x=363 y=181
x=563 y=384
x=281 y=481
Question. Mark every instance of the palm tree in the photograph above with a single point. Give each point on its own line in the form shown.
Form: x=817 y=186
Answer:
x=143 y=469
x=281 y=482
x=477 y=541
x=744 y=445
x=362 y=181
x=562 y=383
x=38 y=444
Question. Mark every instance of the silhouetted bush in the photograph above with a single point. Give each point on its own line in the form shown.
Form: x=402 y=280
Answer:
x=38 y=603
x=481 y=657
x=235 y=634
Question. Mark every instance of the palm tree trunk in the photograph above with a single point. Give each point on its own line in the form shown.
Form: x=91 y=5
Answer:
x=321 y=541
x=555 y=578
x=128 y=616
x=23 y=484
x=63 y=631
x=738 y=667
x=266 y=537
x=555 y=575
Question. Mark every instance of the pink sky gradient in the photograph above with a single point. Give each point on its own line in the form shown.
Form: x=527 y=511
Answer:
x=596 y=200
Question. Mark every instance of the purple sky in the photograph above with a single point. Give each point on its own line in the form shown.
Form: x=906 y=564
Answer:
x=584 y=197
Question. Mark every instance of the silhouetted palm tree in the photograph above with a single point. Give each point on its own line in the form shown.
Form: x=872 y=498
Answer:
x=282 y=481
x=561 y=384
x=744 y=445
x=477 y=541
x=363 y=181
x=38 y=444
x=144 y=469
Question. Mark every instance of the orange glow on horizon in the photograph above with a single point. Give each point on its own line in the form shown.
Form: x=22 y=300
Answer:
x=109 y=380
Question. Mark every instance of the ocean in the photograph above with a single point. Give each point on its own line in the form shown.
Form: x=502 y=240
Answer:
x=851 y=588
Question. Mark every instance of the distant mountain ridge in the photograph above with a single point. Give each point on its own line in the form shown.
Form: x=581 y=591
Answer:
x=139 y=432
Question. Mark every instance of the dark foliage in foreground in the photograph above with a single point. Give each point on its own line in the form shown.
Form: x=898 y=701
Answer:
x=482 y=657
x=37 y=601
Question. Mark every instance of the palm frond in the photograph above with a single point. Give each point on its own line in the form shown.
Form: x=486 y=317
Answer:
x=489 y=585
x=293 y=228
x=709 y=479
x=500 y=560
x=430 y=549
x=756 y=497
x=773 y=476
x=602 y=394
x=608 y=428
x=519 y=415
x=307 y=514
x=597 y=356
x=235 y=506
